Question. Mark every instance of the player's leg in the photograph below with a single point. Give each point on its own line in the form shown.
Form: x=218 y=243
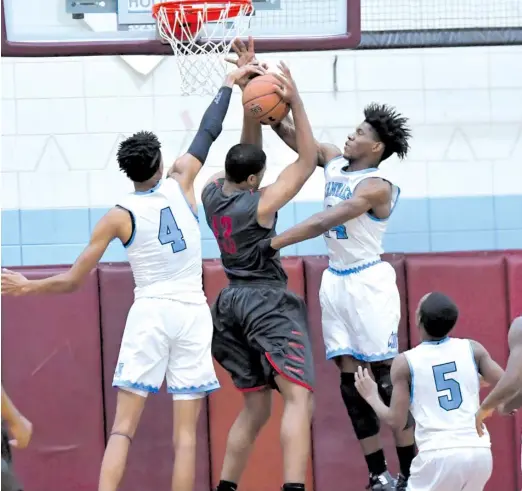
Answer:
x=231 y=351
x=353 y=308
x=140 y=370
x=242 y=435
x=405 y=438
x=281 y=330
x=190 y=378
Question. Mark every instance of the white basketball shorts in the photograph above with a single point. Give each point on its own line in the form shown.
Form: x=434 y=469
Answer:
x=167 y=339
x=455 y=469
x=361 y=310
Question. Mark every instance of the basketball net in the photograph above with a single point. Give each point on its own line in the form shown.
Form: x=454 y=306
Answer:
x=200 y=45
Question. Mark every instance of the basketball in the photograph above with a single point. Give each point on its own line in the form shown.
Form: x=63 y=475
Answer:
x=262 y=103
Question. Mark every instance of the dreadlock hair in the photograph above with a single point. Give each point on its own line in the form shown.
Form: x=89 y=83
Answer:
x=139 y=156
x=391 y=128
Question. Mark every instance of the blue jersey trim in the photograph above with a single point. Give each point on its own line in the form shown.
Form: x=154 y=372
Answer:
x=133 y=220
x=361 y=356
x=135 y=385
x=357 y=269
x=151 y=190
x=193 y=389
x=440 y=341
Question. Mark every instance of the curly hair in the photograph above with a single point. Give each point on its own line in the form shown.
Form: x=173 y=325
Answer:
x=391 y=128
x=139 y=156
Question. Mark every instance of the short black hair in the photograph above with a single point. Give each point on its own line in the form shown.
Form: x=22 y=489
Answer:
x=139 y=156
x=390 y=127
x=243 y=160
x=438 y=314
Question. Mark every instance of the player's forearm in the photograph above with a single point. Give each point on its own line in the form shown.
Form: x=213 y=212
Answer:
x=252 y=132
x=211 y=124
x=306 y=147
x=9 y=411
x=61 y=283
x=286 y=131
x=506 y=389
x=310 y=228
x=385 y=413
x=514 y=403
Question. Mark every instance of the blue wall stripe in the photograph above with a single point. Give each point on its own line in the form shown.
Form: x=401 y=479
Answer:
x=54 y=236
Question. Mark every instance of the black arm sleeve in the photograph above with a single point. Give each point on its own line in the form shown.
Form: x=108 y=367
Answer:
x=211 y=125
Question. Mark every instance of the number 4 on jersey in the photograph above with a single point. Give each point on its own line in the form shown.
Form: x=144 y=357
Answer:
x=169 y=232
x=340 y=230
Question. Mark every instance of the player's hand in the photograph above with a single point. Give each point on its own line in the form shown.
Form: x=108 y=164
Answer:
x=240 y=76
x=20 y=431
x=482 y=414
x=245 y=54
x=288 y=89
x=13 y=283
x=365 y=384
x=266 y=248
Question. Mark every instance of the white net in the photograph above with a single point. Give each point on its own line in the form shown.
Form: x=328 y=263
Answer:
x=200 y=47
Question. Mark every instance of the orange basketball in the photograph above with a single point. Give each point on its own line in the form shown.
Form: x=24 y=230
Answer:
x=261 y=102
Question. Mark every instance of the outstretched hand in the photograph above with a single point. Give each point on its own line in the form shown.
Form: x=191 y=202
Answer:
x=13 y=283
x=240 y=76
x=365 y=385
x=245 y=54
x=288 y=89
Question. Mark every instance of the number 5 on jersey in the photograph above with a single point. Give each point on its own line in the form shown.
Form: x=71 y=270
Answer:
x=169 y=232
x=454 y=399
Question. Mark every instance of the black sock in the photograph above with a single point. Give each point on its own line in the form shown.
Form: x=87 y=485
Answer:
x=376 y=462
x=226 y=486
x=406 y=456
x=293 y=486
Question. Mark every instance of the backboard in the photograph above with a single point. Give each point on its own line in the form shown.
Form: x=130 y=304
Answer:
x=125 y=27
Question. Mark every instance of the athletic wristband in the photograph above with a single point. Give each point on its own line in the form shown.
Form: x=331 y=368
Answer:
x=211 y=125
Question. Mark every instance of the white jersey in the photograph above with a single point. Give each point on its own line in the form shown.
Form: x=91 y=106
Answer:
x=164 y=251
x=445 y=395
x=358 y=241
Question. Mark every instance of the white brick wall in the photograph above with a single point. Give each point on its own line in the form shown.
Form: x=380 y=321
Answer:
x=63 y=118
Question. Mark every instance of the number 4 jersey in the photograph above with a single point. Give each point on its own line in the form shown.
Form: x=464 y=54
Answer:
x=164 y=250
x=445 y=391
x=358 y=240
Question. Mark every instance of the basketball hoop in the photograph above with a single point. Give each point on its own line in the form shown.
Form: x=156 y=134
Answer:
x=200 y=33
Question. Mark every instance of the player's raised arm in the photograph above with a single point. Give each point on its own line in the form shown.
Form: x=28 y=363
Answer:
x=293 y=177
x=286 y=131
x=370 y=193
x=186 y=168
x=397 y=414
x=115 y=224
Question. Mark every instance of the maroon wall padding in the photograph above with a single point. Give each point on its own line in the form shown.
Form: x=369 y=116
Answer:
x=514 y=272
x=151 y=455
x=337 y=455
x=51 y=368
x=479 y=287
x=265 y=467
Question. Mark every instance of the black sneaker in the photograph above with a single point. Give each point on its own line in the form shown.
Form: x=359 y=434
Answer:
x=382 y=482
x=402 y=483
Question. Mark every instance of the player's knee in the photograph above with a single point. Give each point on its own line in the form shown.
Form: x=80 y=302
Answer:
x=364 y=420
x=185 y=440
x=381 y=372
x=258 y=405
